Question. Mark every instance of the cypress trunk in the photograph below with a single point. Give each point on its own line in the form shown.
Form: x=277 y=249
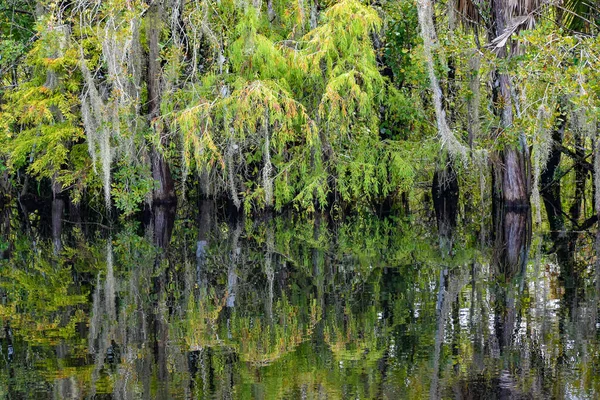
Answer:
x=514 y=187
x=516 y=181
x=164 y=192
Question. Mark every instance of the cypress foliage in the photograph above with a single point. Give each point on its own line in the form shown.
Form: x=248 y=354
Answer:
x=281 y=103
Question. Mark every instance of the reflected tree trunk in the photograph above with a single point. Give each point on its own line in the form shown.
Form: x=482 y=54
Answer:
x=204 y=228
x=318 y=267
x=477 y=325
x=163 y=218
x=512 y=241
x=103 y=322
x=510 y=256
x=58 y=207
x=269 y=269
x=445 y=194
x=450 y=285
x=232 y=277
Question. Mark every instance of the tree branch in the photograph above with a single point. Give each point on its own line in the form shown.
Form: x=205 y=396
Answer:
x=578 y=159
x=15 y=10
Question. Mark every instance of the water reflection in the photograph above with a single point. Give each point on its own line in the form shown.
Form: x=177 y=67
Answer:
x=290 y=308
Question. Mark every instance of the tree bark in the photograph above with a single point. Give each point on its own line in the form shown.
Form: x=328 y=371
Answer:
x=514 y=187
x=515 y=176
x=550 y=189
x=164 y=192
x=580 y=176
x=512 y=241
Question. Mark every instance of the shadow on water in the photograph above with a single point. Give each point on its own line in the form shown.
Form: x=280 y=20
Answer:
x=284 y=307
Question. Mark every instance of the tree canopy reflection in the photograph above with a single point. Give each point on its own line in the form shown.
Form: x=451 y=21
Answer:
x=285 y=307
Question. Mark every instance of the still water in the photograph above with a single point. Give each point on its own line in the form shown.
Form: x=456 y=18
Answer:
x=289 y=308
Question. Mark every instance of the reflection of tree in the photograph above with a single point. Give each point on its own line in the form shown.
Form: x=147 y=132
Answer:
x=44 y=302
x=355 y=337
x=517 y=343
x=512 y=241
x=275 y=308
x=233 y=311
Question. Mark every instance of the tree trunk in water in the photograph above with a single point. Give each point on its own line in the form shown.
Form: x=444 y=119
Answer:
x=58 y=208
x=207 y=207
x=509 y=261
x=163 y=220
x=164 y=193
x=165 y=190
x=514 y=187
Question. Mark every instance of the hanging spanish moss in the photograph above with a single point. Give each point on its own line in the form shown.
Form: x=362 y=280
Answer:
x=541 y=150
x=263 y=198
x=290 y=104
x=447 y=138
x=231 y=149
x=98 y=118
x=268 y=167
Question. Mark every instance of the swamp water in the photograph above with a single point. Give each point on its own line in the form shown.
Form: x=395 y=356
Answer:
x=295 y=309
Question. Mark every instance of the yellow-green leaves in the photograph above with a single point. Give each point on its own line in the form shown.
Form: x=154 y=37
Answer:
x=40 y=120
x=293 y=120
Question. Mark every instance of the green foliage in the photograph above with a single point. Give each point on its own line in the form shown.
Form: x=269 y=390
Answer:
x=402 y=39
x=131 y=186
x=269 y=104
x=363 y=306
x=316 y=106
x=40 y=119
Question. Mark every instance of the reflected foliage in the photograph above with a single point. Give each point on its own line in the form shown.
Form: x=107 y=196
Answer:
x=284 y=307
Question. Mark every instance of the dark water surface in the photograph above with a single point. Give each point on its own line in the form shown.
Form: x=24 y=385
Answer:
x=287 y=308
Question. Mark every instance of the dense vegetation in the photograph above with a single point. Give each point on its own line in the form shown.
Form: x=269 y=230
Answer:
x=312 y=105
x=109 y=108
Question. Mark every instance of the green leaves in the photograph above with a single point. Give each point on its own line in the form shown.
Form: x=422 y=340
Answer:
x=279 y=106
x=293 y=117
x=132 y=184
x=40 y=118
